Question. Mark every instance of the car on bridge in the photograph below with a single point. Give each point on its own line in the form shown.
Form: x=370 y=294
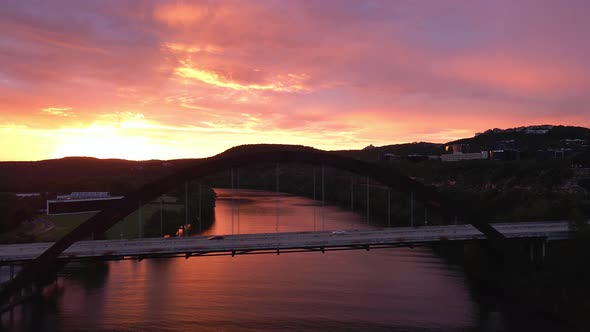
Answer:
x=339 y=232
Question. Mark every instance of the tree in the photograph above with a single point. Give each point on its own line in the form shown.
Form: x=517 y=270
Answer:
x=171 y=221
x=13 y=211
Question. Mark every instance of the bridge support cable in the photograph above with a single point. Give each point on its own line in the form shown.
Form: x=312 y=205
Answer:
x=351 y=193
x=139 y=225
x=161 y=219
x=184 y=230
x=351 y=200
x=233 y=196
x=323 y=201
x=238 y=203
x=388 y=207
x=314 y=202
x=200 y=206
x=277 y=204
x=368 y=206
x=412 y=209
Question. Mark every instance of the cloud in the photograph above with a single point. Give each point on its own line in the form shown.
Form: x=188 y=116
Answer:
x=59 y=111
x=185 y=48
x=288 y=83
x=179 y=13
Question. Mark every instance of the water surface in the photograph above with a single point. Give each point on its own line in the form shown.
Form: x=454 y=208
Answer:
x=377 y=290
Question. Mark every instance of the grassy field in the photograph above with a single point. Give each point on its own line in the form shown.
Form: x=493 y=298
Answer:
x=128 y=228
x=63 y=225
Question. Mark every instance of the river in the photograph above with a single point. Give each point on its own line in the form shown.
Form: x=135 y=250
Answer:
x=377 y=290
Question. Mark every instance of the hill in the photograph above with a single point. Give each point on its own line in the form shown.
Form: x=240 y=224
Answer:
x=371 y=153
x=81 y=174
x=528 y=139
x=119 y=176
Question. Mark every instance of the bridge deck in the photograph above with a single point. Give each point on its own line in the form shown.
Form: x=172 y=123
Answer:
x=280 y=242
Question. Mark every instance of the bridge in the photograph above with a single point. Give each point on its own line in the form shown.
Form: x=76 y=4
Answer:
x=43 y=259
x=276 y=243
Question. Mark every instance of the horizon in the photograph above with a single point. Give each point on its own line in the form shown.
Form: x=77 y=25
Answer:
x=305 y=146
x=187 y=79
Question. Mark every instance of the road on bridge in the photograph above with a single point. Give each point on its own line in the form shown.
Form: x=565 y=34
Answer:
x=281 y=242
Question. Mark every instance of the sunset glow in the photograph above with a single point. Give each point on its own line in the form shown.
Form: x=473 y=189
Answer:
x=190 y=79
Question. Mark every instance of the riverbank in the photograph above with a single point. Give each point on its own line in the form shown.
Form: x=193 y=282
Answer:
x=556 y=287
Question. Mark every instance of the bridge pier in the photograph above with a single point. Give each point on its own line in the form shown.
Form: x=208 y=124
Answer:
x=543 y=244
x=22 y=295
x=537 y=250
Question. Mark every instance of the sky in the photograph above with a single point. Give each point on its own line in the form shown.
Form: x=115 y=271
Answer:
x=189 y=79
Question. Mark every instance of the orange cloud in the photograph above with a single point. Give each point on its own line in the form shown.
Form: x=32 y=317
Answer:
x=293 y=84
x=59 y=111
x=186 y=48
x=514 y=73
x=179 y=13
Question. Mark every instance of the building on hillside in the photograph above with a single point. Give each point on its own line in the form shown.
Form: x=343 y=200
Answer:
x=416 y=158
x=457 y=148
x=506 y=145
x=559 y=153
x=504 y=155
x=390 y=157
x=80 y=202
x=27 y=195
x=459 y=156
x=576 y=142
x=538 y=130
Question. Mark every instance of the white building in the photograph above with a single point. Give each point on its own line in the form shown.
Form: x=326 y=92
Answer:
x=80 y=202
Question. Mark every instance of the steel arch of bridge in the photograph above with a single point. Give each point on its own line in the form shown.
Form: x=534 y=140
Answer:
x=225 y=161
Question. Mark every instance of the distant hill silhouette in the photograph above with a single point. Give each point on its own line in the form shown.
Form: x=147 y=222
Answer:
x=119 y=176
x=250 y=148
x=526 y=141
x=81 y=174
x=376 y=153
